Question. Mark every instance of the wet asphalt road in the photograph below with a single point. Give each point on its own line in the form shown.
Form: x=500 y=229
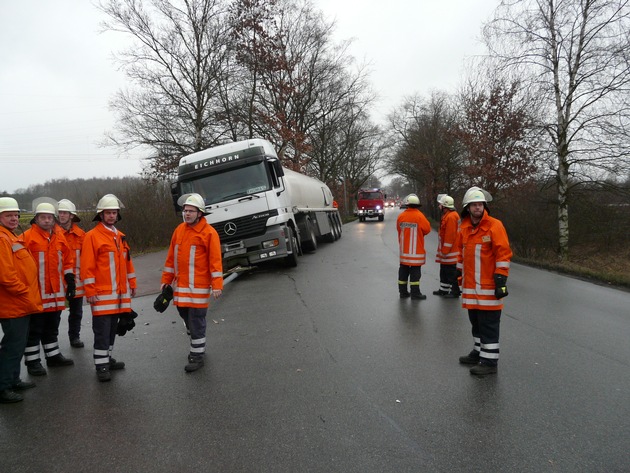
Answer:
x=321 y=368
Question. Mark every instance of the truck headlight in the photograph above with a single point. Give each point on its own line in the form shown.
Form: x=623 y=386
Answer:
x=270 y=243
x=378 y=207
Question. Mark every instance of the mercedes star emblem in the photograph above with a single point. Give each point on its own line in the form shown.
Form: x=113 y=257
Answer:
x=230 y=228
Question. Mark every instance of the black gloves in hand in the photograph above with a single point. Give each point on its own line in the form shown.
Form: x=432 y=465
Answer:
x=71 y=287
x=163 y=299
x=500 y=289
x=126 y=322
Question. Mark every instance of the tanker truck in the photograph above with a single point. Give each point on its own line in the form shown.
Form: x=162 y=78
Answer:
x=261 y=210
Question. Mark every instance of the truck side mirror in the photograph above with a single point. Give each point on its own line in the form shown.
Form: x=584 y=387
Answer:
x=277 y=167
x=175 y=193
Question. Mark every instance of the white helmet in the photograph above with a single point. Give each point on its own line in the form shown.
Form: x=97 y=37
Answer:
x=108 y=202
x=412 y=199
x=476 y=194
x=193 y=199
x=45 y=208
x=67 y=206
x=446 y=201
x=8 y=204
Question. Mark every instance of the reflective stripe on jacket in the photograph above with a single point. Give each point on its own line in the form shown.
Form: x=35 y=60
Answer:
x=447 y=238
x=193 y=264
x=412 y=226
x=54 y=259
x=74 y=237
x=484 y=251
x=107 y=270
x=19 y=291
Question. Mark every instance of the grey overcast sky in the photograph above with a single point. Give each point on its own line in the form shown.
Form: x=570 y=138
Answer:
x=56 y=74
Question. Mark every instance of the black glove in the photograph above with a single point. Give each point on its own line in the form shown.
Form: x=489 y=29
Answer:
x=126 y=323
x=163 y=299
x=71 y=287
x=500 y=290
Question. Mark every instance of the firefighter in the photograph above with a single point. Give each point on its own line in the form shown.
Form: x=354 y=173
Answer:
x=109 y=281
x=55 y=265
x=412 y=226
x=19 y=298
x=484 y=262
x=194 y=267
x=67 y=216
x=447 y=253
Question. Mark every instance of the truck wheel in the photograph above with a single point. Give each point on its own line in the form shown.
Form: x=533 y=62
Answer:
x=335 y=228
x=332 y=236
x=310 y=244
x=292 y=259
x=339 y=226
x=381 y=218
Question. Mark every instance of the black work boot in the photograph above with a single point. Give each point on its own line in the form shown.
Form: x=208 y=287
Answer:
x=483 y=370
x=418 y=296
x=35 y=368
x=59 y=360
x=439 y=293
x=404 y=295
x=103 y=374
x=8 y=396
x=471 y=359
x=194 y=363
x=76 y=343
x=116 y=365
x=20 y=385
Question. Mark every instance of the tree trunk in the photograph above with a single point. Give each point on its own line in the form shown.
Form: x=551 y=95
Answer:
x=563 y=208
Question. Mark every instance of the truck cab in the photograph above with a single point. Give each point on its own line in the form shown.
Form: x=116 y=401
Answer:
x=254 y=204
x=371 y=204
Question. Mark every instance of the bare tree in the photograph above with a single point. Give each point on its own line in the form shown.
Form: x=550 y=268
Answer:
x=177 y=53
x=574 y=55
x=426 y=150
x=210 y=71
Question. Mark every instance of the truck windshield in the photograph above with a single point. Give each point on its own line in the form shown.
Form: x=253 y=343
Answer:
x=230 y=183
x=370 y=195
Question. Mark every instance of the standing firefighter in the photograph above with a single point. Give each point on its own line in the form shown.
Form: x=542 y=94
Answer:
x=484 y=261
x=447 y=250
x=412 y=226
x=55 y=264
x=193 y=265
x=67 y=215
x=19 y=298
x=110 y=282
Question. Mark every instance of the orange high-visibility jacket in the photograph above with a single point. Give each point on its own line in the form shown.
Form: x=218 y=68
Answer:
x=74 y=237
x=447 y=252
x=194 y=264
x=54 y=259
x=484 y=251
x=412 y=226
x=19 y=291
x=107 y=270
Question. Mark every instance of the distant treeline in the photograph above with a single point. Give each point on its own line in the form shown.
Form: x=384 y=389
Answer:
x=148 y=218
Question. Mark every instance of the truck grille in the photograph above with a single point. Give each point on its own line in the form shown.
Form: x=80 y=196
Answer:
x=248 y=226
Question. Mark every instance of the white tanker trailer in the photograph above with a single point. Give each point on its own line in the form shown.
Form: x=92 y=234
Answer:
x=261 y=210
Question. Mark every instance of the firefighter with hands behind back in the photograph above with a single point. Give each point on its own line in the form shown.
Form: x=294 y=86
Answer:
x=412 y=226
x=193 y=272
x=484 y=263
x=109 y=280
x=55 y=266
x=447 y=250
x=67 y=216
x=19 y=298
